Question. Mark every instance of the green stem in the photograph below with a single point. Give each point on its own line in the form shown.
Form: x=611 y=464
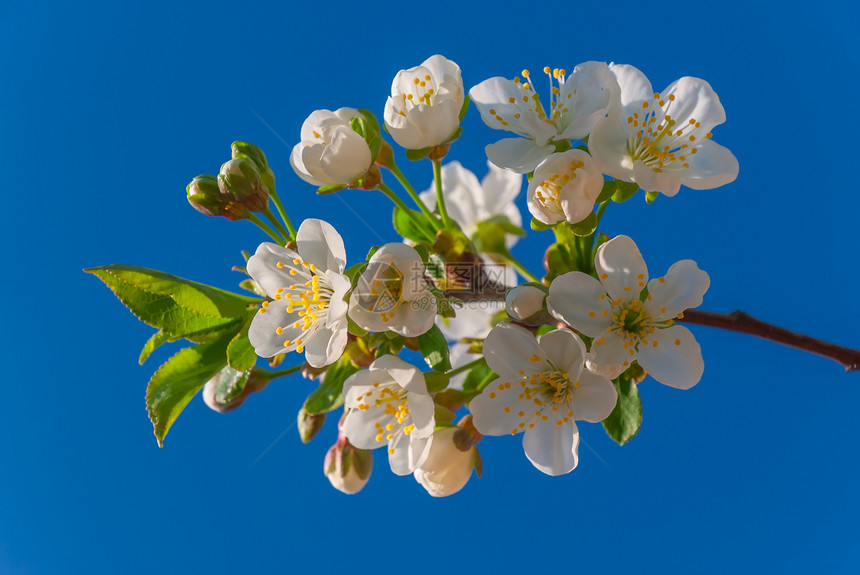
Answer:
x=520 y=267
x=440 y=199
x=413 y=194
x=600 y=210
x=280 y=207
x=276 y=223
x=399 y=203
x=262 y=225
x=466 y=367
x=270 y=375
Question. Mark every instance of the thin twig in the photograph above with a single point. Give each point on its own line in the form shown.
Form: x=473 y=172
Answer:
x=742 y=322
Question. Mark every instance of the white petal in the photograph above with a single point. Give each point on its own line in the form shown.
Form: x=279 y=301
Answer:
x=681 y=288
x=414 y=318
x=337 y=307
x=580 y=301
x=608 y=146
x=360 y=428
x=595 y=397
x=496 y=411
x=405 y=374
x=676 y=360
x=608 y=351
x=470 y=322
x=299 y=167
x=493 y=98
x=663 y=181
x=346 y=157
x=508 y=349
x=263 y=267
x=518 y=154
x=634 y=86
x=499 y=189
x=263 y=331
x=595 y=88
x=552 y=448
x=399 y=455
x=319 y=244
x=695 y=99
x=326 y=345
x=565 y=351
x=422 y=409
x=621 y=268
x=711 y=167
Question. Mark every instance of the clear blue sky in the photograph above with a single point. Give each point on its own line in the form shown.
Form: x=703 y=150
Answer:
x=107 y=111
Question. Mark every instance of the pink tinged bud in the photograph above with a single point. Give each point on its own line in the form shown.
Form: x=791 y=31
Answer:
x=447 y=469
x=527 y=304
x=309 y=424
x=347 y=467
x=230 y=388
x=240 y=182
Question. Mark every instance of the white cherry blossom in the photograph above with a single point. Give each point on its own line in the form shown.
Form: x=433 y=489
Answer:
x=541 y=389
x=661 y=140
x=423 y=110
x=389 y=405
x=446 y=469
x=306 y=312
x=576 y=105
x=331 y=152
x=627 y=326
x=564 y=188
x=392 y=293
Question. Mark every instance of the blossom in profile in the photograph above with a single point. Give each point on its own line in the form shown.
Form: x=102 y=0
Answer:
x=392 y=294
x=662 y=140
x=564 y=188
x=627 y=325
x=423 y=110
x=389 y=405
x=542 y=388
x=331 y=152
x=306 y=311
x=577 y=103
x=447 y=468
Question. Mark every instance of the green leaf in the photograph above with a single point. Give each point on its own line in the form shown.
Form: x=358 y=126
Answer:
x=359 y=126
x=464 y=107
x=406 y=226
x=179 y=379
x=651 y=196
x=354 y=271
x=418 y=154
x=477 y=375
x=193 y=296
x=609 y=188
x=586 y=227
x=436 y=381
x=624 y=191
x=370 y=118
x=624 y=422
x=328 y=396
x=240 y=353
x=539 y=226
x=163 y=312
x=154 y=343
x=354 y=328
x=454 y=137
x=434 y=347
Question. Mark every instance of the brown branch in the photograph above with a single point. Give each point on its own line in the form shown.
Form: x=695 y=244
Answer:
x=744 y=323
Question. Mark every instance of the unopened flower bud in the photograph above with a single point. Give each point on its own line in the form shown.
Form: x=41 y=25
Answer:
x=447 y=469
x=205 y=196
x=527 y=304
x=230 y=388
x=348 y=467
x=309 y=424
x=252 y=153
x=240 y=181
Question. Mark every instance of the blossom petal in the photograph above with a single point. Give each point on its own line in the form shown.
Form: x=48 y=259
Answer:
x=621 y=268
x=505 y=105
x=263 y=267
x=681 y=288
x=552 y=448
x=595 y=397
x=422 y=409
x=609 y=351
x=508 y=349
x=405 y=374
x=608 y=146
x=518 y=154
x=673 y=357
x=319 y=244
x=399 y=454
x=326 y=345
x=565 y=351
x=634 y=86
x=337 y=307
x=594 y=87
x=499 y=189
x=656 y=180
x=346 y=157
x=263 y=330
x=298 y=164
x=695 y=100
x=712 y=167
x=580 y=301
x=496 y=411
x=414 y=318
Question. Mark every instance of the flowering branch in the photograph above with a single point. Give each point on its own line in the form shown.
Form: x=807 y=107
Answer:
x=742 y=322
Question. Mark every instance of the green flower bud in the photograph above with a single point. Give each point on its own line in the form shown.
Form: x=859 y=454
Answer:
x=309 y=424
x=205 y=196
x=240 y=181
x=348 y=467
x=250 y=152
x=229 y=388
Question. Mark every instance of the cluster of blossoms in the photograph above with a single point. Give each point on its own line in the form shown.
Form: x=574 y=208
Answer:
x=540 y=375
x=504 y=356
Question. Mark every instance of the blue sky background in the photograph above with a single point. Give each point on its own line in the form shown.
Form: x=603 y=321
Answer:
x=108 y=109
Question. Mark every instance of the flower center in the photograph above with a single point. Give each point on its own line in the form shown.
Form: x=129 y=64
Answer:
x=657 y=139
x=420 y=88
x=631 y=320
x=550 y=391
x=529 y=101
x=548 y=191
x=380 y=289
x=309 y=301
x=393 y=401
